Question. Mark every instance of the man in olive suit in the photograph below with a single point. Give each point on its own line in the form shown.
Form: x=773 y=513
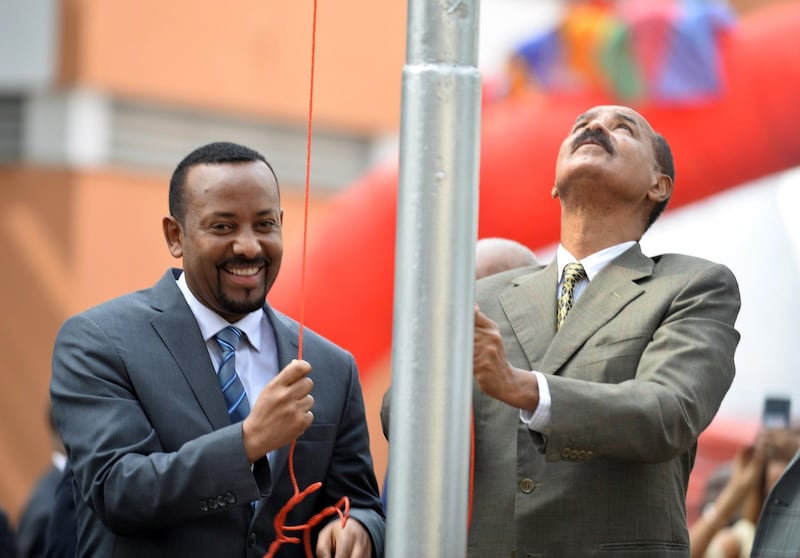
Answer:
x=596 y=373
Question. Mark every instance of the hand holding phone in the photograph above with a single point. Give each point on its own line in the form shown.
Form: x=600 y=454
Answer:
x=776 y=412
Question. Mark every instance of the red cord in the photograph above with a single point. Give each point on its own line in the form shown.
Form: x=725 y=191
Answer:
x=342 y=507
x=307 y=187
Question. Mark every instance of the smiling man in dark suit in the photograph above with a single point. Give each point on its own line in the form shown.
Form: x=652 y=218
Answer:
x=594 y=381
x=165 y=462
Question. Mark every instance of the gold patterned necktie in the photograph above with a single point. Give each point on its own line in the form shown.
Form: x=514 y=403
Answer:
x=573 y=273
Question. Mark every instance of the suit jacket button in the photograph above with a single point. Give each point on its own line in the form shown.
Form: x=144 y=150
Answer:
x=527 y=486
x=565 y=453
x=222 y=501
x=589 y=454
x=581 y=454
x=251 y=540
x=212 y=503
x=203 y=506
x=229 y=496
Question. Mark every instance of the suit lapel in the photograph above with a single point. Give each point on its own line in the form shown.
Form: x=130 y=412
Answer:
x=178 y=329
x=532 y=316
x=286 y=336
x=286 y=342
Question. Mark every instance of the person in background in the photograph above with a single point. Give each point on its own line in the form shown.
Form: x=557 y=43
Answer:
x=36 y=513
x=61 y=540
x=178 y=404
x=727 y=523
x=494 y=254
x=597 y=372
x=727 y=526
x=8 y=548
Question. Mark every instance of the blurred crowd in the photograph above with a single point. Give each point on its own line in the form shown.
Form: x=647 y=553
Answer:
x=736 y=493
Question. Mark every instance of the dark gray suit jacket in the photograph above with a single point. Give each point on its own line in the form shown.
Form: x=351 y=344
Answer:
x=159 y=469
x=636 y=373
x=778 y=528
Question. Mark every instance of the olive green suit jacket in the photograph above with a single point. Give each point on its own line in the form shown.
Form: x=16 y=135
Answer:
x=636 y=373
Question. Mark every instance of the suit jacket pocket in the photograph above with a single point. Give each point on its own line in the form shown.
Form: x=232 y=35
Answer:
x=313 y=453
x=318 y=433
x=609 y=363
x=645 y=549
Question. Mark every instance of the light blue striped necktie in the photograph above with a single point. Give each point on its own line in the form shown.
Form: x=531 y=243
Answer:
x=232 y=388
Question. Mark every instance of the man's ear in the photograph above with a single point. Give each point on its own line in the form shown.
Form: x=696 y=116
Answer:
x=173 y=234
x=661 y=189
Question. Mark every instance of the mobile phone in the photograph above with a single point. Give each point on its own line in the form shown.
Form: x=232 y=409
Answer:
x=776 y=412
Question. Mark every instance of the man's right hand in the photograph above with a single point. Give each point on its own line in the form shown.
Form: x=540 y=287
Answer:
x=495 y=375
x=281 y=413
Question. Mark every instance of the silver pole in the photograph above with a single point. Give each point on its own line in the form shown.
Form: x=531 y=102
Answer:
x=434 y=282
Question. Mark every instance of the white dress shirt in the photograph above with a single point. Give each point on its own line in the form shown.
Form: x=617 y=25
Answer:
x=257 y=353
x=540 y=419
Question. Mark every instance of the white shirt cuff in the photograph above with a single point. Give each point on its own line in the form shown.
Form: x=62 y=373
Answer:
x=539 y=419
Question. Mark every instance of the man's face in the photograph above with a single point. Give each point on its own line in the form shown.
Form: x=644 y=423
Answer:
x=231 y=240
x=607 y=156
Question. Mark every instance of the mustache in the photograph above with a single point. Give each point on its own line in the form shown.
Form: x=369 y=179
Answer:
x=596 y=136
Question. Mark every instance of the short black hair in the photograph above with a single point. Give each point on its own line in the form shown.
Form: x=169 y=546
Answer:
x=666 y=165
x=216 y=152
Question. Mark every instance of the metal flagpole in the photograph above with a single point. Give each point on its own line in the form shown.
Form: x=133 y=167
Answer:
x=434 y=282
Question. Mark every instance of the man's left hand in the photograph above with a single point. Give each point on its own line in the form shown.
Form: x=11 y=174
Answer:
x=350 y=541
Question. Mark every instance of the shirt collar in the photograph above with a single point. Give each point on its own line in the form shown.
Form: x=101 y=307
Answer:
x=592 y=263
x=59 y=460
x=211 y=323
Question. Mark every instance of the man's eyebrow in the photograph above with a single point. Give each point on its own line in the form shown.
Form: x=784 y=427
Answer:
x=627 y=118
x=621 y=115
x=229 y=214
x=584 y=116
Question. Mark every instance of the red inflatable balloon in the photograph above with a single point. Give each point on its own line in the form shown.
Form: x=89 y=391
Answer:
x=752 y=130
